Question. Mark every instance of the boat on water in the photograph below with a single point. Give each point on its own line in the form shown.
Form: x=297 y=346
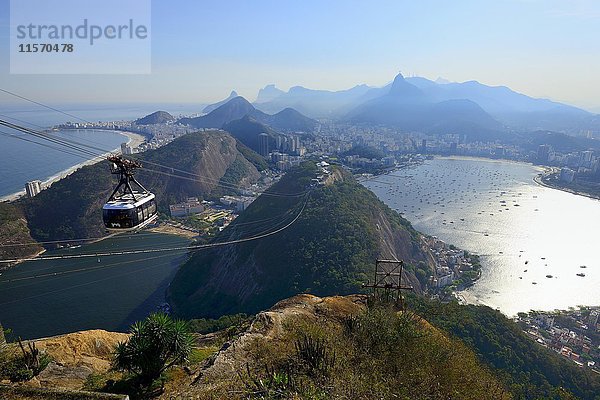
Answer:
x=581 y=274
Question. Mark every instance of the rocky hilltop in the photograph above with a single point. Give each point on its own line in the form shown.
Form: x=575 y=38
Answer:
x=350 y=347
x=230 y=366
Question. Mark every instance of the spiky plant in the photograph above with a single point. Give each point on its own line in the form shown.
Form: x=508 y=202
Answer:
x=156 y=344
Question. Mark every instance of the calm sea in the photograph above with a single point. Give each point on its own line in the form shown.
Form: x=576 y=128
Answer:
x=45 y=298
x=533 y=240
x=21 y=161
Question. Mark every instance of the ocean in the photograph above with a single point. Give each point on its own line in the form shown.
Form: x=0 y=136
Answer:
x=21 y=161
x=46 y=298
x=533 y=240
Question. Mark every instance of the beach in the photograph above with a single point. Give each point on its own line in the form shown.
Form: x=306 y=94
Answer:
x=133 y=139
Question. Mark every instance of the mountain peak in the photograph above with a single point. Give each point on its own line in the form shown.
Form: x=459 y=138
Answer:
x=401 y=88
x=216 y=105
x=268 y=93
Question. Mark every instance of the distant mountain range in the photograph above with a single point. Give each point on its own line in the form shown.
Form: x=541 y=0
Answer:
x=314 y=103
x=433 y=106
x=268 y=93
x=407 y=107
x=287 y=120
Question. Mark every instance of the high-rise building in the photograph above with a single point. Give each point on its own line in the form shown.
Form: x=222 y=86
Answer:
x=567 y=175
x=33 y=188
x=263 y=144
x=125 y=149
x=585 y=158
x=543 y=153
x=294 y=144
x=593 y=319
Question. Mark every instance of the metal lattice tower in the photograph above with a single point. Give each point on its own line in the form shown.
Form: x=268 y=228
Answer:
x=388 y=281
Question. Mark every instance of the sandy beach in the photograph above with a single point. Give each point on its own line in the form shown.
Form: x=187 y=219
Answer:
x=134 y=140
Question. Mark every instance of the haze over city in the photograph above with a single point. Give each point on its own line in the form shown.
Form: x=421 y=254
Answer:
x=203 y=50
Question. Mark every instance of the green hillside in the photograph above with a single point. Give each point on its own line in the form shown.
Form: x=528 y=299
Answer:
x=246 y=130
x=72 y=207
x=529 y=370
x=330 y=249
x=14 y=233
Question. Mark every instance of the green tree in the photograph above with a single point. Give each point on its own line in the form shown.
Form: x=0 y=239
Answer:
x=156 y=344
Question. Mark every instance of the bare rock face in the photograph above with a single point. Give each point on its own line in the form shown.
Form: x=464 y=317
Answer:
x=75 y=356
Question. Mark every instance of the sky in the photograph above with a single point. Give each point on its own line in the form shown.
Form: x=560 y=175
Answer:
x=201 y=50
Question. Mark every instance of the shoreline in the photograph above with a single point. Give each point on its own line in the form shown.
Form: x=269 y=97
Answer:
x=133 y=139
x=539 y=179
x=463 y=294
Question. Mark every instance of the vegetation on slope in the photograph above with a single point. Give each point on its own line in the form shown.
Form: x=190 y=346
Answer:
x=330 y=249
x=528 y=369
x=246 y=130
x=376 y=354
x=72 y=207
x=307 y=347
x=13 y=233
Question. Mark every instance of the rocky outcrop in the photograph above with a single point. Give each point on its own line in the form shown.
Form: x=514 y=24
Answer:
x=76 y=356
x=219 y=371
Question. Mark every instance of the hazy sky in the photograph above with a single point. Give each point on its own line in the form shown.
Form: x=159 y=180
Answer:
x=201 y=50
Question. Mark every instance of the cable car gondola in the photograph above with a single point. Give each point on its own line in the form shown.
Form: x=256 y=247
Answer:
x=128 y=209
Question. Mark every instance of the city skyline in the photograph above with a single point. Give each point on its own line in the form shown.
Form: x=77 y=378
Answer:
x=200 y=55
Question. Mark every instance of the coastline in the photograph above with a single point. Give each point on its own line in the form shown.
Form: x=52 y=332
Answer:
x=133 y=139
x=539 y=179
x=471 y=296
x=543 y=171
x=492 y=160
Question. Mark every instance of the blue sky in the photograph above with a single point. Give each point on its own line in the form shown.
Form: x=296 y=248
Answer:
x=202 y=50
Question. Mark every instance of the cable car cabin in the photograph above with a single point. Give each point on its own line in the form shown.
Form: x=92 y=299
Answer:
x=124 y=213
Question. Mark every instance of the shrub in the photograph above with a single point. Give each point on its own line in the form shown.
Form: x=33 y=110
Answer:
x=24 y=366
x=156 y=344
x=314 y=354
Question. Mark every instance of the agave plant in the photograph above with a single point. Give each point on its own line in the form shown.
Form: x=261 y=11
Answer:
x=156 y=344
